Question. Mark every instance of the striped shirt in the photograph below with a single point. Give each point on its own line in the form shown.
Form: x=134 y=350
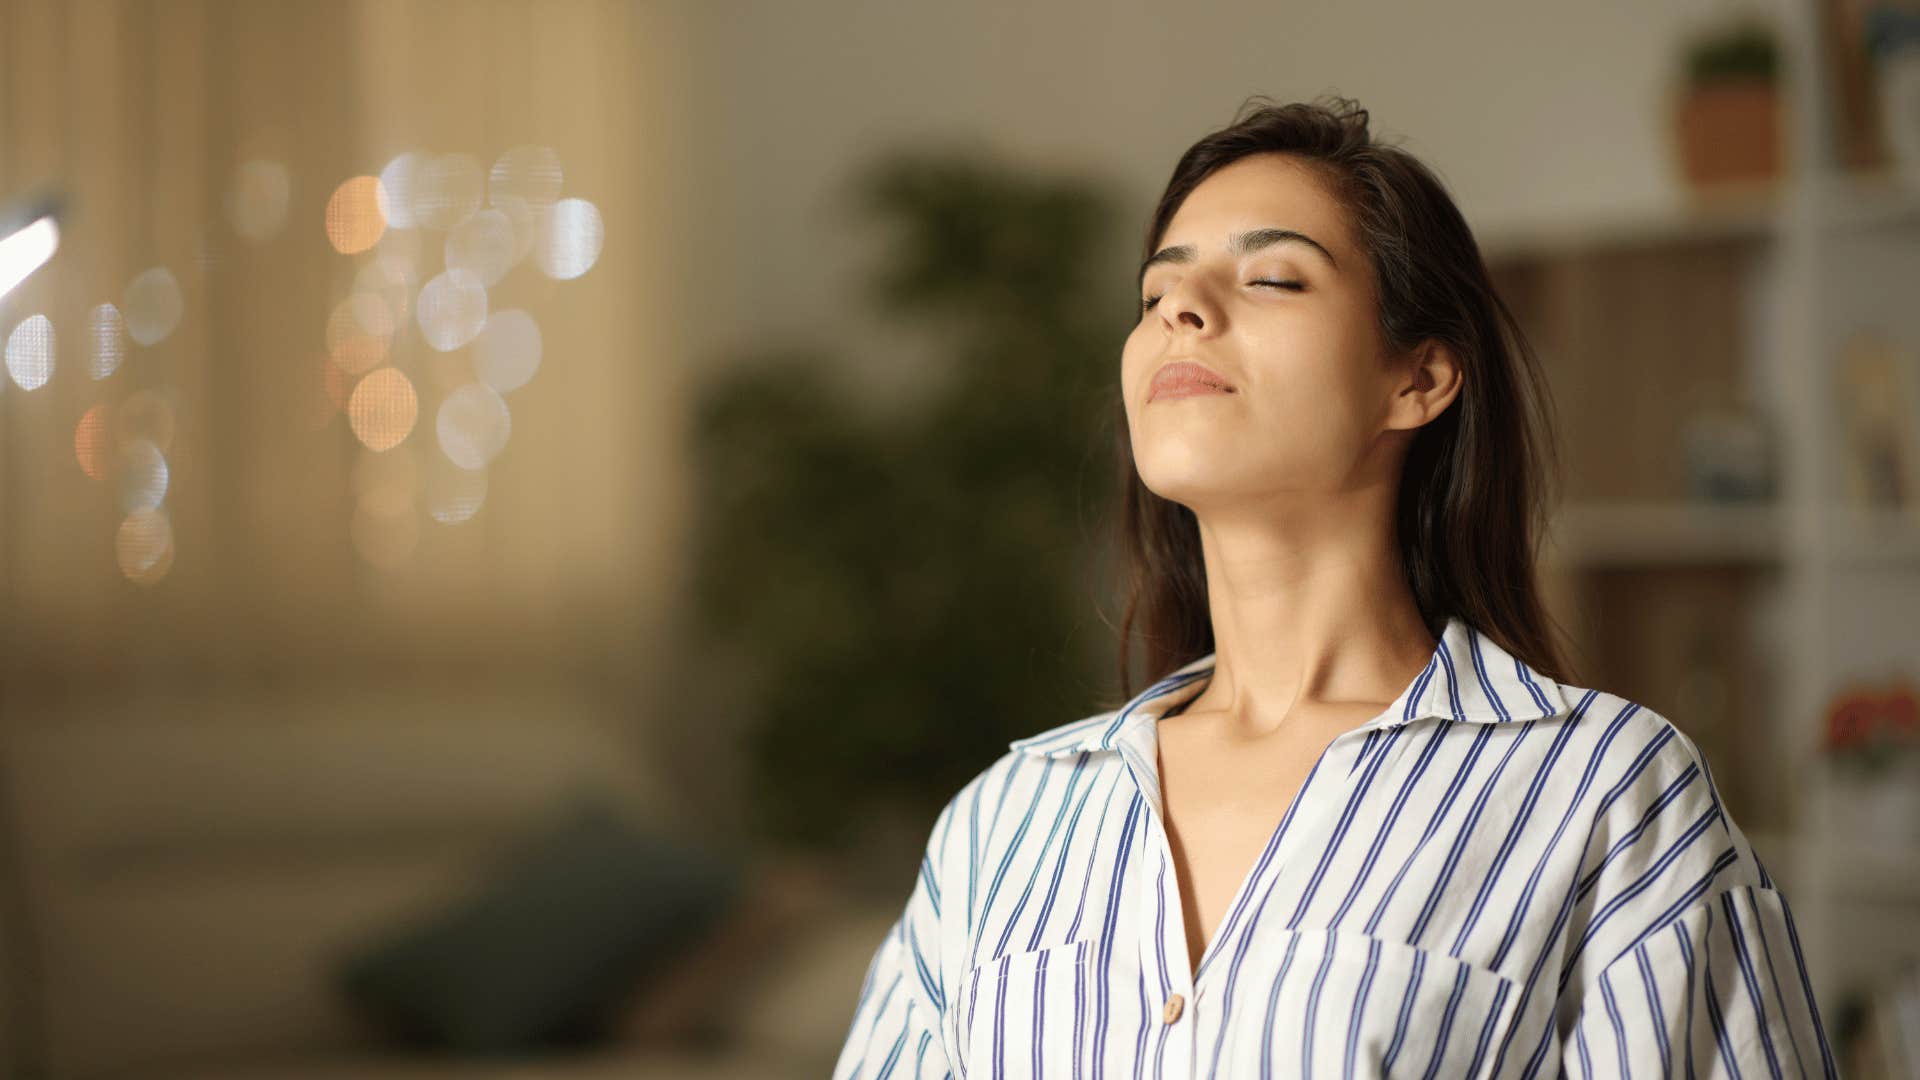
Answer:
x=1500 y=875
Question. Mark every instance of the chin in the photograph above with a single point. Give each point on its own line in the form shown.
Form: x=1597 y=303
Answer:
x=1180 y=478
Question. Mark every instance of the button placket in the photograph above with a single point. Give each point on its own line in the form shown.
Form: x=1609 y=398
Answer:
x=1177 y=1019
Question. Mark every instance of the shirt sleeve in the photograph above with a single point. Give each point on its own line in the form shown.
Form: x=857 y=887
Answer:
x=1686 y=960
x=897 y=1026
x=1720 y=991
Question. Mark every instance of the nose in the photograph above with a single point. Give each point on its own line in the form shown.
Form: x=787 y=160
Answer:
x=1183 y=306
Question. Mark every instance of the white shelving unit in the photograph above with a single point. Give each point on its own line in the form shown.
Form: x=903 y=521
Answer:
x=1849 y=256
x=1841 y=256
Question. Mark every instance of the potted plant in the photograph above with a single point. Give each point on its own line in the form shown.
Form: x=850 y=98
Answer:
x=1871 y=743
x=910 y=589
x=1727 y=119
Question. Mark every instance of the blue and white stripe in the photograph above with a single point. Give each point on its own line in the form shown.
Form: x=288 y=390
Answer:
x=1500 y=875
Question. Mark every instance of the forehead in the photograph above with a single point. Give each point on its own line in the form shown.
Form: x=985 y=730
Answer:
x=1258 y=191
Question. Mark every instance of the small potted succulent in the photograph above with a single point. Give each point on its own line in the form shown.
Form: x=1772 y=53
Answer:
x=1728 y=116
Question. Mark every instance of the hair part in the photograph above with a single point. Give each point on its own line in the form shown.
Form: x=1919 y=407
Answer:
x=1478 y=480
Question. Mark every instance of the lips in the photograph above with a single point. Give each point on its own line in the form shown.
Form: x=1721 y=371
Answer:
x=1184 y=378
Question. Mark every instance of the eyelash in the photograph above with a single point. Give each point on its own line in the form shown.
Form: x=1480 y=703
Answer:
x=1294 y=286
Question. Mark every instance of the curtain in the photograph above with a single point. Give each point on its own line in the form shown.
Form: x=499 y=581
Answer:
x=186 y=493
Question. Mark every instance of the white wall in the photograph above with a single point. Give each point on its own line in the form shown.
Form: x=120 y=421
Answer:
x=1530 y=111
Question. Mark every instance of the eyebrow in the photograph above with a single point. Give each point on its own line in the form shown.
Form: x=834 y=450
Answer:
x=1238 y=244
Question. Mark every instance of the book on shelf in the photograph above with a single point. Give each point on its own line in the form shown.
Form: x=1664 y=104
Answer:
x=1878 y=402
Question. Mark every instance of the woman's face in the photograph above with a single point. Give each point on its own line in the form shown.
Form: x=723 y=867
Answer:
x=1288 y=323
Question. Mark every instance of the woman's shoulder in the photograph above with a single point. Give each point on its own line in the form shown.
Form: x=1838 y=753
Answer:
x=1022 y=781
x=1628 y=734
x=1647 y=779
x=1661 y=859
x=1066 y=740
x=1025 y=759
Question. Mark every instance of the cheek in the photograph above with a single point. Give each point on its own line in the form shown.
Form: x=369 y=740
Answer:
x=1133 y=369
x=1316 y=372
x=1315 y=402
x=1133 y=352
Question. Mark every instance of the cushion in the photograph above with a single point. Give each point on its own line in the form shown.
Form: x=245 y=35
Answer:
x=699 y=999
x=549 y=944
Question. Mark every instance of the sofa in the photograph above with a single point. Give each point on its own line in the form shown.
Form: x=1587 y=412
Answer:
x=186 y=874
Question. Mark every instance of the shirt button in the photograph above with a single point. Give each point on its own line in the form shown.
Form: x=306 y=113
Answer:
x=1172 y=1011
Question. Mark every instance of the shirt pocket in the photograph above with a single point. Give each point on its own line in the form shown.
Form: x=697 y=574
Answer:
x=1022 y=1014
x=1338 y=1003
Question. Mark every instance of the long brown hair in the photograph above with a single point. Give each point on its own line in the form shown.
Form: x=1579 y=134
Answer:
x=1478 y=478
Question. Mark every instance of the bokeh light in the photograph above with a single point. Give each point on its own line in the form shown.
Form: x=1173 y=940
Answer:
x=143 y=476
x=525 y=226
x=147 y=414
x=389 y=276
x=354 y=220
x=570 y=234
x=107 y=332
x=473 y=425
x=507 y=352
x=492 y=220
x=30 y=352
x=383 y=408
x=454 y=494
x=484 y=244
x=152 y=305
x=90 y=438
x=257 y=205
x=452 y=309
x=358 y=333
x=396 y=191
x=407 y=244
x=144 y=546
x=447 y=188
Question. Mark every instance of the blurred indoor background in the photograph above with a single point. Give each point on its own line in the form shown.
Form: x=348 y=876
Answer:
x=516 y=514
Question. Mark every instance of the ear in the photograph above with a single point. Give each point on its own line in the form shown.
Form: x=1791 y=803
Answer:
x=1428 y=378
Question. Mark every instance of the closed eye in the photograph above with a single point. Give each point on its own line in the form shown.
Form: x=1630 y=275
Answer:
x=1295 y=286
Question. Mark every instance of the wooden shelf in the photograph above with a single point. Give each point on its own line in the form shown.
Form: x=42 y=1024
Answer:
x=1738 y=214
x=1664 y=533
x=1868 y=201
x=1845 y=202
x=1619 y=533
x=1876 y=538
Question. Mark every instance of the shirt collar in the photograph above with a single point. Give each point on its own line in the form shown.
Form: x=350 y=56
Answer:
x=1468 y=679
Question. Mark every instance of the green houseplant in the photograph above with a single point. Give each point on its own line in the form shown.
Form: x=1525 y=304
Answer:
x=917 y=590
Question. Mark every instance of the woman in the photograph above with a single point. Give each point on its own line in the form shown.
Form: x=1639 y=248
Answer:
x=1371 y=829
